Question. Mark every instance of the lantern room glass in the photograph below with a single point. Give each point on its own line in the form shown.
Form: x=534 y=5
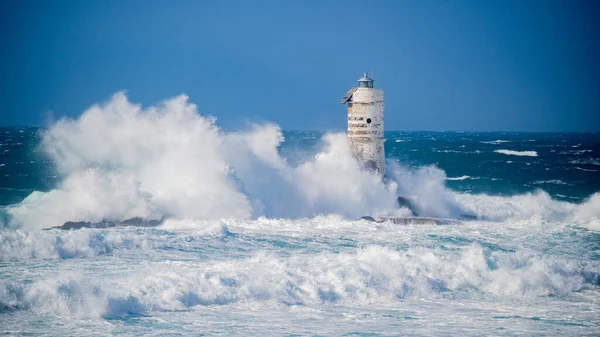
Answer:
x=365 y=84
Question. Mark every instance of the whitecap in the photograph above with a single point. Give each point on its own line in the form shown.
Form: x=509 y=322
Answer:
x=518 y=153
x=552 y=181
x=458 y=178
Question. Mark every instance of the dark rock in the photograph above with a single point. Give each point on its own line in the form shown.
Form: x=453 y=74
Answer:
x=468 y=217
x=133 y=222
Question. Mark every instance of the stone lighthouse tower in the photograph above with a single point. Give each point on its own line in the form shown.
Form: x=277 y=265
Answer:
x=365 y=124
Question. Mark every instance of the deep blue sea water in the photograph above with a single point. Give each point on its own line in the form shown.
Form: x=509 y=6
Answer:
x=272 y=243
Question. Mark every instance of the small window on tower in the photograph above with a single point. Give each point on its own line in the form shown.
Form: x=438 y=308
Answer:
x=368 y=120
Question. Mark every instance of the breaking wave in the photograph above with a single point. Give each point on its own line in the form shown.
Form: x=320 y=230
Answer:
x=373 y=274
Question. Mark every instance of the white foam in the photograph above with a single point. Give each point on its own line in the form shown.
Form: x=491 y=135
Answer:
x=517 y=153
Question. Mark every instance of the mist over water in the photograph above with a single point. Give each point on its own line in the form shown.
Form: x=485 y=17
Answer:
x=261 y=231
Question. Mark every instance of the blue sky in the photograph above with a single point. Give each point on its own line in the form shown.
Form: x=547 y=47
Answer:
x=444 y=65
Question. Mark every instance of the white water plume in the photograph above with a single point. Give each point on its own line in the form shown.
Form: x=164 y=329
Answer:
x=121 y=161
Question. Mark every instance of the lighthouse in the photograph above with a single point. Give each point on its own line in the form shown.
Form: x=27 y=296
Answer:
x=365 y=124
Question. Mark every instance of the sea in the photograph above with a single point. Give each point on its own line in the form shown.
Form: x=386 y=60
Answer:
x=258 y=231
